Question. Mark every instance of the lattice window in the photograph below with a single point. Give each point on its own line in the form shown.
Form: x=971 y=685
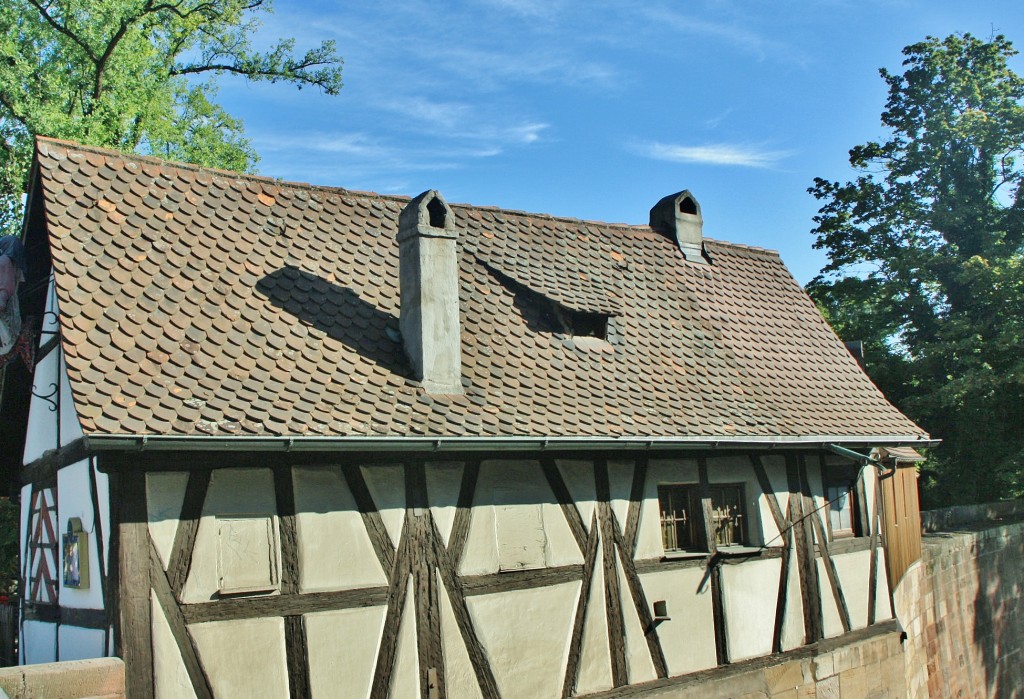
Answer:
x=682 y=516
x=43 y=551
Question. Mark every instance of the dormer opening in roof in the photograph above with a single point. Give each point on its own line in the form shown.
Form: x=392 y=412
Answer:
x=678 y=216
x=429 y=290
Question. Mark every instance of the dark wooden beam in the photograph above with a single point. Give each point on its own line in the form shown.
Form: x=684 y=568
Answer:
x=643 y=610
x=66 y=616
x=179 y=629
x=296 y=651
x=769 y=492
x=521 y=579
x=134 y=611
x=397 y=587
x=832 y=574
x=422 y=563
x=565 y=501
x=457 y=596
x=180 y=560
x=378 y=533
x=572 y=668
x=810 y=592
x=782 y=598
x=875 y=525
x=714 y=572
x=612 y=595
x=463 y=511
x=636 y=500
x=44 y=469
x=230 y=609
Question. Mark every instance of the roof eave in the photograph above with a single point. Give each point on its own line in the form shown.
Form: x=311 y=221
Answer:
x=102 y=442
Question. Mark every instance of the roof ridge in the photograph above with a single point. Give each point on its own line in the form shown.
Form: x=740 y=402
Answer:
x=306 y=186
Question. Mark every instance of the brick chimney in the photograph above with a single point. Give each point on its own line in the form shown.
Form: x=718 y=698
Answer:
x=678 y=217
x=429 y=281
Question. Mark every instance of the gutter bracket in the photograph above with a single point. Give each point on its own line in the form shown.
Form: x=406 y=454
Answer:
x=883 y=471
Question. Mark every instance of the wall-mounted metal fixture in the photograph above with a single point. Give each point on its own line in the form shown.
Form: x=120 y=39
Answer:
x=661 y=612
x=76 y=556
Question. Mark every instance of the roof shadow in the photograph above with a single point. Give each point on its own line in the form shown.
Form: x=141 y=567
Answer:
x=340 y=313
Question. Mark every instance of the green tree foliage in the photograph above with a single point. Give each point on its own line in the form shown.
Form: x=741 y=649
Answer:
x=136 y=75
x=925 y=250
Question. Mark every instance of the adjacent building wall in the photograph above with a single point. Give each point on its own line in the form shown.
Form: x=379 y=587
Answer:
x=960 y=605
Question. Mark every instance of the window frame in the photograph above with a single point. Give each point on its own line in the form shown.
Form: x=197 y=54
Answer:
x=697 y=525
x=846 y=477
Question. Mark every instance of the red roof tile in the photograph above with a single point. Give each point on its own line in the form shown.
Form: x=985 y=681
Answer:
x=205 y=302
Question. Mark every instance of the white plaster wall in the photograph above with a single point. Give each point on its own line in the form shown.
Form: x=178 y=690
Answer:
x=512 y=485
x=444 y=481
x=170 y=678
x=688 y=638
x=232 y=491
x=579 y=481
x=833 y=626
x=527 y=663
x=459 y=675
x=77 y=643
x=749 y=594
x=335 y=552
x=775 y=469
x=883 y=609
x=70 y=427
x=387 y=488
x=75 y=500
x=165 y=493
x=817 y=488
x=595 y=672
x=42 y=421
x=257 y=669
x=405 y=679
x=39 y=644
x=620 y=484
x=853 y=571
x=639 y=665
x=343 y=647
x=26 y=506
x=793 y=624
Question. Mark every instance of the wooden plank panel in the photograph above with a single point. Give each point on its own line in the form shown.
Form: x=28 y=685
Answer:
x=179 y=630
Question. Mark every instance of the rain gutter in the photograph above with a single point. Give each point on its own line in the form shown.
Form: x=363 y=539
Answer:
x=98 y=443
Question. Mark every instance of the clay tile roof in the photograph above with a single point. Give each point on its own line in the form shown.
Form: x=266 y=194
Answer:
x=198 y=302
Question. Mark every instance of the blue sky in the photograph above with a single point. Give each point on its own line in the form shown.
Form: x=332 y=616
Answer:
x=594 y=109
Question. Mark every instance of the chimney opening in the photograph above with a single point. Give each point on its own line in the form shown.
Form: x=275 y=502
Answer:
x=687 y=206
x=436 y=211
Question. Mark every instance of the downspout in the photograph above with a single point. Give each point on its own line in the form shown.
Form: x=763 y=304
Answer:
x=883 y=470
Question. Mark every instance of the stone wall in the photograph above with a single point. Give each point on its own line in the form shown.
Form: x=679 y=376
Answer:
x=865 y=663
x=960 y=606
x=101 y=678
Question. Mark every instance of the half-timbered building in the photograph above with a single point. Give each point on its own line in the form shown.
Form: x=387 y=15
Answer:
x=295 y=440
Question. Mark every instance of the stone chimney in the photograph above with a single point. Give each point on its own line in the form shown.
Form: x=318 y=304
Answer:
x=678 y=217
x=429 y=281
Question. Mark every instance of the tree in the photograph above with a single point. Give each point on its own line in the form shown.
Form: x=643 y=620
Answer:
x=926 y=259
x=136 y=75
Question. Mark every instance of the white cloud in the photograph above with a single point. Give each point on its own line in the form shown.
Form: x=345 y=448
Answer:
x=742 y=155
